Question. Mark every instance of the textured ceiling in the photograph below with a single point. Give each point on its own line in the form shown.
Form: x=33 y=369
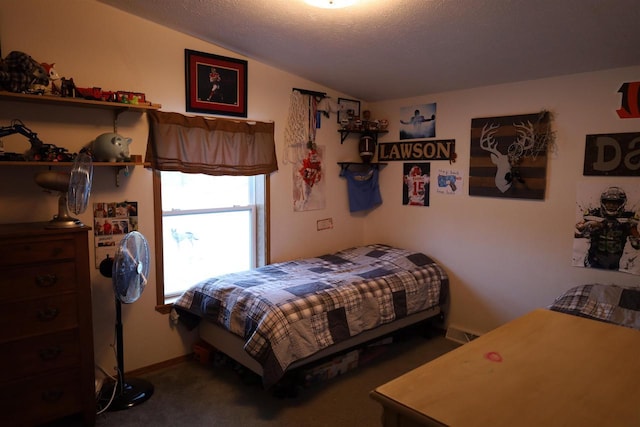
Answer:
x=389 y=49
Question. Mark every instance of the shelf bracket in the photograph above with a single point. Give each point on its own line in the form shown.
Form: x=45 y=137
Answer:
x=116 y=114
x=126 y=170
x=360 y=165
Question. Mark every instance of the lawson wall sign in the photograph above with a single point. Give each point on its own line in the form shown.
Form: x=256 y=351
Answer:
x=444 y=149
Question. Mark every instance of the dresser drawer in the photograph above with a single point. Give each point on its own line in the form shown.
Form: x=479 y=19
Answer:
x=37 y=281
x=31 y=251
x=38 y=317
x=39 y=354
x=30 y=402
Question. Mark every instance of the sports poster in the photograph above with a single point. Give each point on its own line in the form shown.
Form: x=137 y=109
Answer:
x=415 y=184
x=309 y=182
x=606 y=234
x=418 y=121
x=111 y=221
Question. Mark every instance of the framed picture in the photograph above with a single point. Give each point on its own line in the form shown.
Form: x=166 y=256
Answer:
x=347 y=108
x=215 y=84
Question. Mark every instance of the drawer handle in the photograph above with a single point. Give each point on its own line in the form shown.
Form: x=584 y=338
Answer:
x=46 y=280
x=48 y=314
x=52 y=396
x=51 y=353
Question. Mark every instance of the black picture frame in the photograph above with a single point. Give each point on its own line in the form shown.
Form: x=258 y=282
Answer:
x=344 y=105
x=215 y=84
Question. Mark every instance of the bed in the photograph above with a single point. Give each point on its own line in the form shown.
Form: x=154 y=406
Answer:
x=608 y=303
x=281 y=316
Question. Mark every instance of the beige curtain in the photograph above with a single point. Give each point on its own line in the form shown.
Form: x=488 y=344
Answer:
x=212 y=146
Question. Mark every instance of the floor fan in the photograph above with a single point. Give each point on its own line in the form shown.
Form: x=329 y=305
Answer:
x=73 y=188
x=128 y=269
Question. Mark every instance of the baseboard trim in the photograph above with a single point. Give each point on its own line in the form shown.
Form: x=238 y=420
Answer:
x=160 y=365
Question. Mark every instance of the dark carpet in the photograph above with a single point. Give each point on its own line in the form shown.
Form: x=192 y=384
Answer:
x=222 y=395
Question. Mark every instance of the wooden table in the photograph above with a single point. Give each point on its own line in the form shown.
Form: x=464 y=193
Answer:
x=542 y=369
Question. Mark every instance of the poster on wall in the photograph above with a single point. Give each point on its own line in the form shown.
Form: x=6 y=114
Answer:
x=449 y=181
x=509 y=156
x=111 y=221
x=418 y=121
x=415 y=184
x=606 y=234
x=309 y=182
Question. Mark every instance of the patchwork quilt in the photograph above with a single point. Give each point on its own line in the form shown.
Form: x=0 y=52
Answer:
x=290 y=310
x=608 y=303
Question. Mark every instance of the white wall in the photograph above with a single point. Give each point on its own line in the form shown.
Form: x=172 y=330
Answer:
x=505 y=256
x=101 y=46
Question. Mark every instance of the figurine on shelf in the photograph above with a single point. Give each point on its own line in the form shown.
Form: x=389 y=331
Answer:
x=53 y=88
x=67 y=88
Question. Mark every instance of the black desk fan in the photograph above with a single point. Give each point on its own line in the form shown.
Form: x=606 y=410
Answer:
x=128 y=270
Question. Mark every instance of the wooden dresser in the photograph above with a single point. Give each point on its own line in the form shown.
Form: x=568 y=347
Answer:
x=46 y=337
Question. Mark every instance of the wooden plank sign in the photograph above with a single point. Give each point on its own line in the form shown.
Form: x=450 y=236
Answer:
x=612 y=154
x=417 y=150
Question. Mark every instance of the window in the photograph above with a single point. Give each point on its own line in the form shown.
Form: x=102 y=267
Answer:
x=210 y=225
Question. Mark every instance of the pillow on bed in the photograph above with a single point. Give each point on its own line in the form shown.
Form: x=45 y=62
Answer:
x=609 y=303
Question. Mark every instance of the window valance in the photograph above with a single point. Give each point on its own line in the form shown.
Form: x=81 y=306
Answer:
x=212 y=146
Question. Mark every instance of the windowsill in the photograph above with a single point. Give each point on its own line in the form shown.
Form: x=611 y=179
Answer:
x=165 y=308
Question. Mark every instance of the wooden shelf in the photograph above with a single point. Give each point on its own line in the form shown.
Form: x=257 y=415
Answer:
x=62 y=164
x=361 y=165
x=345 y=132
x=76 y=102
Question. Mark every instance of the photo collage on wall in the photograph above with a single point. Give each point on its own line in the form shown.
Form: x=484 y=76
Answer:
x=417 y=124
x=111 y=221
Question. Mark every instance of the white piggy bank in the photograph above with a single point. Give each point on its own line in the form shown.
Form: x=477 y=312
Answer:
x=111 y=147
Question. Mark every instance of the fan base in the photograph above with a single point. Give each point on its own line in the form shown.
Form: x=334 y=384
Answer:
x=134 y=392
x=64 y=223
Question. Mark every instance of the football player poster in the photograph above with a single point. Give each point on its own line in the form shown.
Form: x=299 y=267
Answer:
x=415 y=184
x=606 y=234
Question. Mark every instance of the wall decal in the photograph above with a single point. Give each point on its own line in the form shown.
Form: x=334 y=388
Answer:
x=606 y=234
x=509 y=156
x=415 y=184
x=630 y=107
x=612 y=154
x=418 y=121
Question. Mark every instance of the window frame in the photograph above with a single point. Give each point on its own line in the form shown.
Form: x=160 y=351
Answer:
x=262 y=238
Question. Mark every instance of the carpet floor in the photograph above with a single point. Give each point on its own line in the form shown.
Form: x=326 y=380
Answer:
x=218 y=395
